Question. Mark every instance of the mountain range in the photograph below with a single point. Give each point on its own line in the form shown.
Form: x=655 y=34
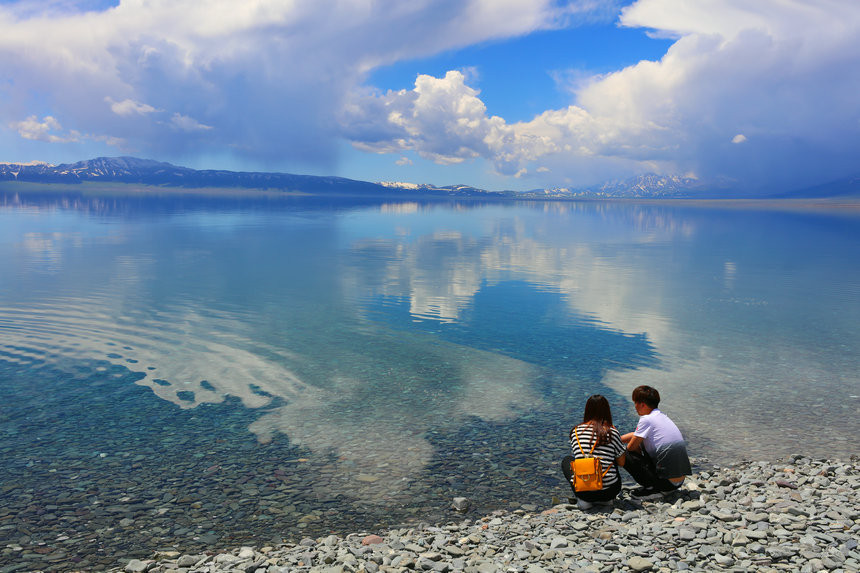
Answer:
x=148 y=172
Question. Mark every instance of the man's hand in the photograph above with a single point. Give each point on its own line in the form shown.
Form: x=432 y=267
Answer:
x=634 y=443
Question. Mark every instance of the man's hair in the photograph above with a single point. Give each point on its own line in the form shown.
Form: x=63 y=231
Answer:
x=646 y=395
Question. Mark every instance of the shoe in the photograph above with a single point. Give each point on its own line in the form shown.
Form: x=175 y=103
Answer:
x=646 y=493
x=583 y=505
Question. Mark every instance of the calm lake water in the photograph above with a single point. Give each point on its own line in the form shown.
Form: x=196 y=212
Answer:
x=183 y=372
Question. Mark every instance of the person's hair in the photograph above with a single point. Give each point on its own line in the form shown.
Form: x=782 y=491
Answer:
x=599 y=416
x=646 y=395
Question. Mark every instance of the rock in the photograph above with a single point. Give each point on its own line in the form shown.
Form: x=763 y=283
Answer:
x=246 y=553
x=189 y=560
x=461 y=504
x=780 y=551
x=686 y=534
x=786 y=484
x=639 y=564
x=137 y=566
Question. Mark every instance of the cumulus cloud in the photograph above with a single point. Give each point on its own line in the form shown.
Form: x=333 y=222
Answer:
x=129 y=107
x=285 y=83
x=48 y=129
x=784 y=72
x=268 y=77
x=444 y=120
x=185 y=123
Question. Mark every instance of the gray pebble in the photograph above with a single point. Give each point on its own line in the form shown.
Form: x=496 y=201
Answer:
x=732 y=518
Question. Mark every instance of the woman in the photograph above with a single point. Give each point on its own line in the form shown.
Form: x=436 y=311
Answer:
x=596 y=426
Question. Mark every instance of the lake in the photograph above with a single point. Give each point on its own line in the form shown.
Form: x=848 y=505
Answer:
x=188 y=371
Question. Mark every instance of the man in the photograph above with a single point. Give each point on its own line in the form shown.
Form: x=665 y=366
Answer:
x=656 y=451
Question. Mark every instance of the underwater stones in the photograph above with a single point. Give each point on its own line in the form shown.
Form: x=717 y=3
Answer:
x=461 y=504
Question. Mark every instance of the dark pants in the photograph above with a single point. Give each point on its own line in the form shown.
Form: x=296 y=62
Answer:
x=607 y=494
x=642 y=468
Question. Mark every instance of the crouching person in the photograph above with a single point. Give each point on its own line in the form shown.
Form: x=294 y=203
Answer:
x=595 y=437
x=656 y=452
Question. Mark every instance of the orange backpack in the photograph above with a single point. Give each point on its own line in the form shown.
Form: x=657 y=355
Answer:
x=587 y=474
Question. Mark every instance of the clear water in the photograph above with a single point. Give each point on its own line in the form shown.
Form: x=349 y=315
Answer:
x=220 y=370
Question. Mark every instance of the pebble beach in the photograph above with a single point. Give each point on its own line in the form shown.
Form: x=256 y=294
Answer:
x=797 y=514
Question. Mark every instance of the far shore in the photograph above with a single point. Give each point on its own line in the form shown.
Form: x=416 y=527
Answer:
x=113 y=189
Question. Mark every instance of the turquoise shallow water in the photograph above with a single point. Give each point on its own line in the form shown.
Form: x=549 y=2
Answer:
x=185 y=371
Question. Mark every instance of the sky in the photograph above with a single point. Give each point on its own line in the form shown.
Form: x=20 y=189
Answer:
x=498 y=94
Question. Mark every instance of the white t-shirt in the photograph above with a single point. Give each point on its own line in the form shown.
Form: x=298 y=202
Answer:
x=657 y=430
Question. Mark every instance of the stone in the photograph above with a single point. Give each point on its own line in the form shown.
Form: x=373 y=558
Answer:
x=137 y=566
x=686 y=534
x=372 y=540
x=246 y=553
x=780 y=551
x=189 y=560
x=461 y=504
x=639 y=564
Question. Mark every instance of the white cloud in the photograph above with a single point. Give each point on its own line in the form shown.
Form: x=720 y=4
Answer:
x=185 y=123
x=268 y=77
x=49 y=130
x=129 y=107
x=444 y=120
x=277 y=80
x=785 y=72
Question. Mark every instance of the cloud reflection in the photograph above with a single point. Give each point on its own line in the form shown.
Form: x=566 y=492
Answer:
x=717 y=344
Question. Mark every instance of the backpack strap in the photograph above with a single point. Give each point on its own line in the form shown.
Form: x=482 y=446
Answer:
x=582 y=451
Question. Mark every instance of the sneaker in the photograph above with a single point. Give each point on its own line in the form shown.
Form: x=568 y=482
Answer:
x=646 y=493
x=583 y=505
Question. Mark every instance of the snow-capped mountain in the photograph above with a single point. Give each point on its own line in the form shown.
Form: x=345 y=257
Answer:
x=149 y=172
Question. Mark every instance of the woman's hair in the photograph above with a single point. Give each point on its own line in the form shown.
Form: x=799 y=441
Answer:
x=598 y=414
x=646 y=395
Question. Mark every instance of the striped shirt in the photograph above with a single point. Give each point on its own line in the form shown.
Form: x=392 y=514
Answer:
x=607 y=452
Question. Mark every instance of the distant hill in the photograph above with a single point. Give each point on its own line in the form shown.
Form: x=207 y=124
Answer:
x=646 y=186
x=841 y=188
x=148 y=172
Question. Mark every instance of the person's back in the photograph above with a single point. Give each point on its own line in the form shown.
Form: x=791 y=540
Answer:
x=662 y=463
x=664 y=443
x=596 y=437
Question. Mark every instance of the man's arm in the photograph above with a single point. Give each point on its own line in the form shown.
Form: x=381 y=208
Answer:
x=634 y=443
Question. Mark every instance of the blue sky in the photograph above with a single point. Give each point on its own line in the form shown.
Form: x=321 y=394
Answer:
x=500 y=94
